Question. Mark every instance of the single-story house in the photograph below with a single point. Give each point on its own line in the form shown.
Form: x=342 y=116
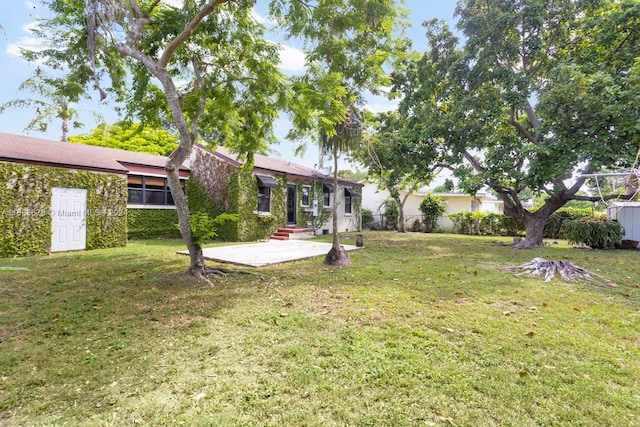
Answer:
x=58 y=196
x=275 y=198
x=373 y=198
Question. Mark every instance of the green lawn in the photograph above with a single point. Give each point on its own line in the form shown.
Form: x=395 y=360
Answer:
x=422 y=330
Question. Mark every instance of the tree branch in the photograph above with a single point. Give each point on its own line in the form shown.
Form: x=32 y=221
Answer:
x=174 y=44
x=474 y=162
x=602 y=198
x=521 y=129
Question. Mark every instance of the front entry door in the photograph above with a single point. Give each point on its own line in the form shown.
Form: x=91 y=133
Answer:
x=292 y=204
x=68 y=219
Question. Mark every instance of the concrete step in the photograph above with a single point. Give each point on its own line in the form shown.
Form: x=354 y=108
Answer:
x=287 y=233
x=279 y=237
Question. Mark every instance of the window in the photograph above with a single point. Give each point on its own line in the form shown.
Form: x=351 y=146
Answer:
x=474 y=206
x=265 y=184
x=306 y=190
x=347 y=200
x=326 y=195
x=264 y=199
x=149 y=190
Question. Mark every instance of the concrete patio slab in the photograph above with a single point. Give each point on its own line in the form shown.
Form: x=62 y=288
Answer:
x=268 y=253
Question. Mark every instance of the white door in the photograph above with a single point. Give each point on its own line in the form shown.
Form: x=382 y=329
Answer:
x=68 y=219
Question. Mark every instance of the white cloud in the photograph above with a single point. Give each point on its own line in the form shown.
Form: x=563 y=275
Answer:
x=382 y=106
x=291 y=59
x=175 y=3
x=30 y=5
x=264 y=20
x=28 y=43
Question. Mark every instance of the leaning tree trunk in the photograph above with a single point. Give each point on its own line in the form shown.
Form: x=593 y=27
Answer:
x=337 y=255
x=197 y=266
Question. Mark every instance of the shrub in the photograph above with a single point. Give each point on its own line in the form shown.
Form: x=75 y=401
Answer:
x=597 y=233
x=203 y=227
x=416 y=226
x=462 y=222
x=391 y=213
x=432 y=208
x=553 y=227
x=367 y=218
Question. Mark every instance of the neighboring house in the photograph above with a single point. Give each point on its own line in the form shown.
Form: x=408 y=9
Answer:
x=373 y=198
x=275 y=194
x=58 y=196
x=628 y=215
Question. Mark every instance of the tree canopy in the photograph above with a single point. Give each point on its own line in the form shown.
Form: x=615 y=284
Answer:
x=386 y=152
x=536 y=91
x=131 y=137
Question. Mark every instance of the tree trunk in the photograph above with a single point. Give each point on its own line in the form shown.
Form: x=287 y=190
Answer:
x=65 y=130
x=197 y=266
x=400 y=204
x=534 y=229
x=534 y=222
x=337 y=256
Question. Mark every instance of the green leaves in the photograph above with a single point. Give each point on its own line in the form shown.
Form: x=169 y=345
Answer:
x=537 y=89
x=347 y=44
x=130 y=137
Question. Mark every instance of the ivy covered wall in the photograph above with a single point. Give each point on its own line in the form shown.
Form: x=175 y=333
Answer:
x=251 y=224
x=152 y=224
x=26 y=212
x=215 y=186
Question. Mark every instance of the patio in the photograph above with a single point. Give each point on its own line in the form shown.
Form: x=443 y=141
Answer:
x=268 y=253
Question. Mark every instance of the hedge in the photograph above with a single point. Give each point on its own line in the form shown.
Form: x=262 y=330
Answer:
x=496 y=224
x=595 y=233
x=152 y=224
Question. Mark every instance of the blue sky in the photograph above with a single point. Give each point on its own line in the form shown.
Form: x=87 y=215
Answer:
x=19 y=15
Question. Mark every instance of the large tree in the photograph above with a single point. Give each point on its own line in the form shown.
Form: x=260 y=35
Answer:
x=347 y=47
x=537 y=91
x=202 y=65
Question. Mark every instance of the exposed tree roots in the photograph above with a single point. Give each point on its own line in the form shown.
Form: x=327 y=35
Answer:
x=205 y=270
x=566 y=269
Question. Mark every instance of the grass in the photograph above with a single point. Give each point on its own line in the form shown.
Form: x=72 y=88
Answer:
x=422 y=329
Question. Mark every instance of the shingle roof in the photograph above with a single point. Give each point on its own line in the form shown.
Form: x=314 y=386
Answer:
x=26 y=149
x=277 y=166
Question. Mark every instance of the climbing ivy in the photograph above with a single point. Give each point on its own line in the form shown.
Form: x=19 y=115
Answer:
x=26 y=211
x=252 y=225
x=152 y=224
